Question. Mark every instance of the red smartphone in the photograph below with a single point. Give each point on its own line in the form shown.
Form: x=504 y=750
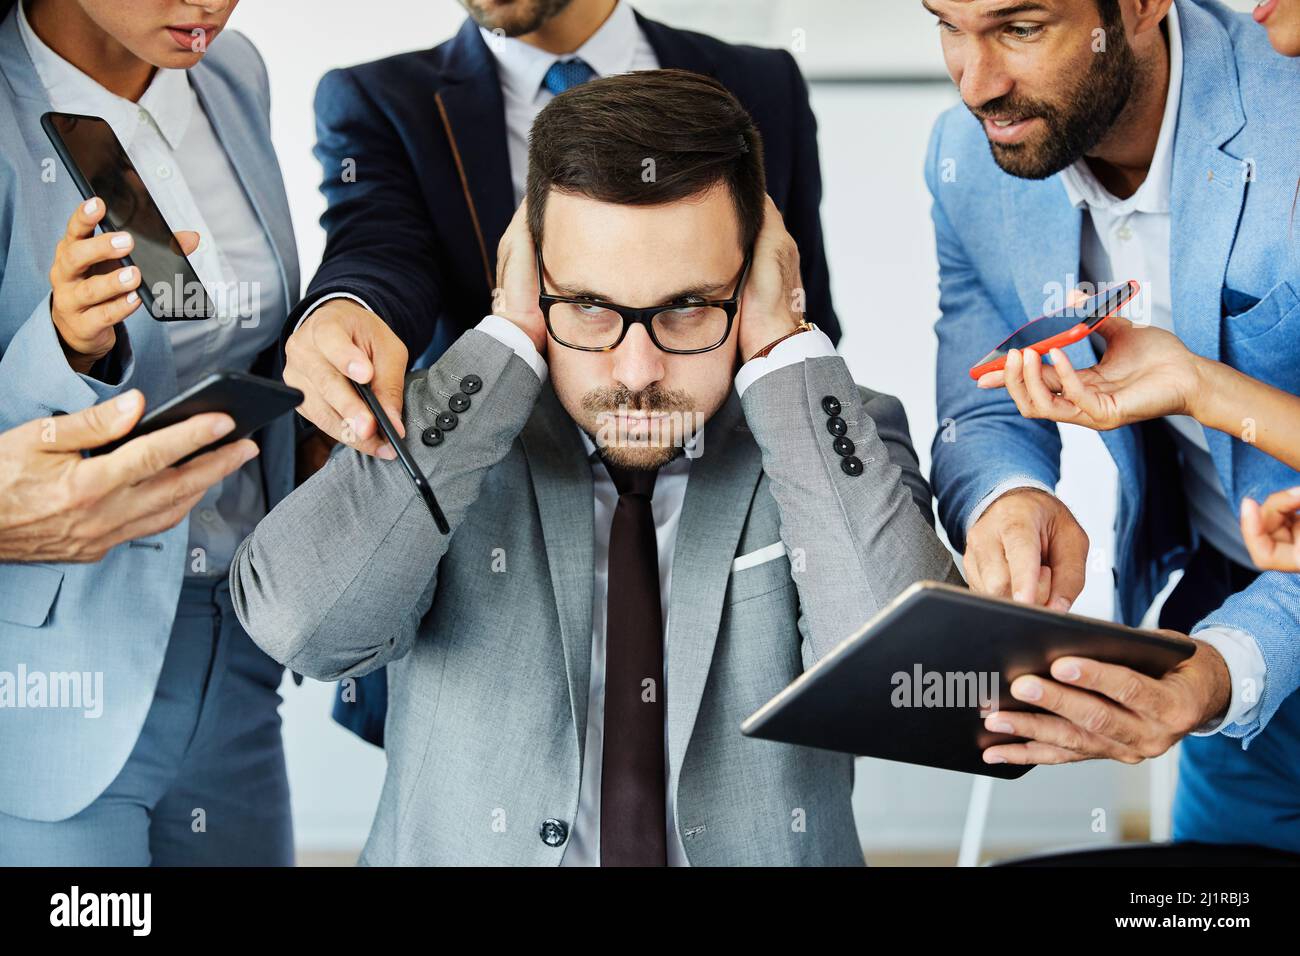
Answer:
x=1059 y=329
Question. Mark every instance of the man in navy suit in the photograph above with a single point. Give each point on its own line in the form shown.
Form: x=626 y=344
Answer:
x=424 y=158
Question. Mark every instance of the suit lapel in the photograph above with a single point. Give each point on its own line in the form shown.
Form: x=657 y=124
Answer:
x=472 y=110
x=1208 y=192
x=718 y=496
x=1043 y=231
x=254 y=161
x=561 y=477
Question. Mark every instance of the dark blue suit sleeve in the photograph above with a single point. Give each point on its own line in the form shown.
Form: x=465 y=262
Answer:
x=380 y=242
x=803 y=210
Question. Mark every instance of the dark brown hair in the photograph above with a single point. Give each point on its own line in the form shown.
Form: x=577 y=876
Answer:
x=645 y=139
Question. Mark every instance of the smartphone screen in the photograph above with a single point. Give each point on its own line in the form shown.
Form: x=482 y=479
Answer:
x=96 y=159
x=252 y=401
x=1088 y=314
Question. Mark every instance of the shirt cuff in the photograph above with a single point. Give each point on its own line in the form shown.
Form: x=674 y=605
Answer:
x=811 y=344
x=329 y=298
x=1246 y=670
x=1017 y=481
x=507 y=333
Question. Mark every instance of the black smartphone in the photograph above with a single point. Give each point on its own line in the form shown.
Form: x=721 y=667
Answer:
x=99 y=165
x=252 y=401
x=390 y=433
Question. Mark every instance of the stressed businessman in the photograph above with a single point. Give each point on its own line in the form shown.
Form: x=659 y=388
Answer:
x=667 y=497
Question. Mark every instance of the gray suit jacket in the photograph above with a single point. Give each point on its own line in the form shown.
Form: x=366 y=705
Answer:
x=489 y=668
x=113 y=617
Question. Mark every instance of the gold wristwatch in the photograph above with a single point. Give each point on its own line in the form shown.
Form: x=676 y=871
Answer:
x=801 y=327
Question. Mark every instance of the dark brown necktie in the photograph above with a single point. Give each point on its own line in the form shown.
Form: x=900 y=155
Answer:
x=632 y=790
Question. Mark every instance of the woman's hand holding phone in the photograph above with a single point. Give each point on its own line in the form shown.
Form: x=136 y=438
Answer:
x=62 y=506
x=92 y=294
x=1145 y=373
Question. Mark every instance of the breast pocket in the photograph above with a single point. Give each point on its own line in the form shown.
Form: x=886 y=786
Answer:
x=1264 y=340
x=758 y=572
x=1244 y=320
x=27 y=593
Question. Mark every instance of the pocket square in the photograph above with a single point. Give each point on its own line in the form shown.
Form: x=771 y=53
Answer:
x=761 y=556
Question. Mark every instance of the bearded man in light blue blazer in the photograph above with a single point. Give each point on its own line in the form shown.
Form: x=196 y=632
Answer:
x=1101 y=141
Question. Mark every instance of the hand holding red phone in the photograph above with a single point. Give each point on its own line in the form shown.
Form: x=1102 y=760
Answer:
x=91 y=292
x=1145 y=373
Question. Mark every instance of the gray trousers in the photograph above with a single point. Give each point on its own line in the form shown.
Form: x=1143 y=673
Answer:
x=205 y=784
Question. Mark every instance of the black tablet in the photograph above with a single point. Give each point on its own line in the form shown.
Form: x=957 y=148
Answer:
x=915 y=683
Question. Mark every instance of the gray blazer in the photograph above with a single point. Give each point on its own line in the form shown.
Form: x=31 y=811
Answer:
x=113 y=617
x=489 y=668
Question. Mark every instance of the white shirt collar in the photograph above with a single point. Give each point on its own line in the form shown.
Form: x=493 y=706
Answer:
x=168 y=102
x=608 y=51
x=1153 y=195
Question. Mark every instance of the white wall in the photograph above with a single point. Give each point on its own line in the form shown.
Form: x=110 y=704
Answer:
x=884 y=276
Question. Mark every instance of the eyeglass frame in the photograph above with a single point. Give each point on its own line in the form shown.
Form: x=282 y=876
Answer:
x=630 y=316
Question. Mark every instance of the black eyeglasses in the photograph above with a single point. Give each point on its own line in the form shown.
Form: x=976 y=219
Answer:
x=683 y=328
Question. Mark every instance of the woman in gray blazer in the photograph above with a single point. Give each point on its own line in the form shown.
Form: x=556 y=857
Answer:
x=138 y=722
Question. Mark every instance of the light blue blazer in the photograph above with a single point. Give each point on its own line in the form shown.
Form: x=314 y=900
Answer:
x=1236 y=298
x=113 y=617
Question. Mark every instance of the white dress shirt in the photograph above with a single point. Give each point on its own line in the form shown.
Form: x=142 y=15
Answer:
x=583 y=848
x=1126 y=239
x=186 y=170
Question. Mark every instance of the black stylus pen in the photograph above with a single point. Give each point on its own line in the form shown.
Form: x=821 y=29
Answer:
x=426 y=490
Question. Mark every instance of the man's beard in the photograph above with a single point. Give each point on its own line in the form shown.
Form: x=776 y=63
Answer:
x=515 y=18
x=654 y=446
x=1085 y=115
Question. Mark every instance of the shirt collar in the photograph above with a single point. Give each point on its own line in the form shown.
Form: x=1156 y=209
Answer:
x=168 y=102
x=1153 y=195
x=608 y=51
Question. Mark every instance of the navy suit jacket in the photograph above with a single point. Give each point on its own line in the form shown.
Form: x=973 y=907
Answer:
x=417 y=180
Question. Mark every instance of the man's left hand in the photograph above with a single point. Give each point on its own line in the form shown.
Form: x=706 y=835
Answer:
x=1106 y=710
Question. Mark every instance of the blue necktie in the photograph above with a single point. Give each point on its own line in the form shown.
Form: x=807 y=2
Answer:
x=566 y=74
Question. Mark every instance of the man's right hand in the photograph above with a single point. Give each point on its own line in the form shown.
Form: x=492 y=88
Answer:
x=1027 y=546
x=339 y=343
x=62 y=506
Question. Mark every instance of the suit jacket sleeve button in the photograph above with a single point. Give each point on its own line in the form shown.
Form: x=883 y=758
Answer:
x=431 y=437
x=553 y=832
x=842 y=446
x=470 y=384
x=851 y=466
x=458 y=402
x=836 y=426
x=447 y=421
x=831 y=405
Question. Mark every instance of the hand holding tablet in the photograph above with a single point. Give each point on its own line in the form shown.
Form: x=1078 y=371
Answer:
x=921 y=681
